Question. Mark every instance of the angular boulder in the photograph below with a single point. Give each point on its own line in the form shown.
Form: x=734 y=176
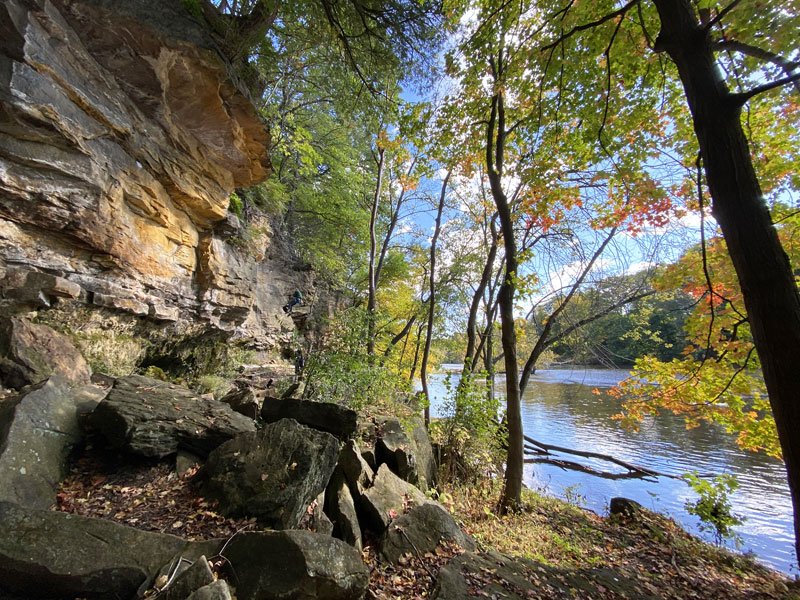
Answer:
x=38 y=430
x=421 y=530
x=30 y=353
x=273 y=474
x=388 y=498
x=218 y=590
x=46 y=554
x=341 y=509
x=154 y=418
x=407 y=450
x=245 y=401
x=296 y=565
x=324 y=416
x=191 y=579
x=355 y=470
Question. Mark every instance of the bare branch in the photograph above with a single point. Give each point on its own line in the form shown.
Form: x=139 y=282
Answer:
x=604 y=19
x=741 y=99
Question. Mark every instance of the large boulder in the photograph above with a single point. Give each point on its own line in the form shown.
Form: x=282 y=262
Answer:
x=38 y=430
x=421 y=530
x=46 y=554
x=388 y=498
x=406 y=449
x=273 y=474
x=296 y=565
x=153 y=418
x=30 y=353
x=325 y=416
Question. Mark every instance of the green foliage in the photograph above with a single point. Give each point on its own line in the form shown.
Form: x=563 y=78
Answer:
x=342 y=372
x=713 y=507
x=212 y=384
x=235 y=205
x=471 y=434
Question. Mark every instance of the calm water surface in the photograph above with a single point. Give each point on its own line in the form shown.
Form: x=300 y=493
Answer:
x=559 y=408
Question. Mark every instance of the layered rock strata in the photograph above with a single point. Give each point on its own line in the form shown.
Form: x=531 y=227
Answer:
x=122 y=135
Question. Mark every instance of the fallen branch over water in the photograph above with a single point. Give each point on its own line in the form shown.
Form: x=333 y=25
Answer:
x=540 y=450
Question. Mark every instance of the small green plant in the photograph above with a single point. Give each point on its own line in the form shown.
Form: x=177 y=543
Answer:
x=572 y=495
x=713 y=507
x=236 y=206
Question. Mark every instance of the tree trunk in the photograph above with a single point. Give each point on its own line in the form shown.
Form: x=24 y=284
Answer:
x=765 y=275
x=495 y=147
x=373 y=218
x=423 y=371
x=470 y=355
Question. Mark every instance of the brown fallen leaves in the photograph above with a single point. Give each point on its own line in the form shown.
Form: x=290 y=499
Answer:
x=145 y=495
x=413 y=578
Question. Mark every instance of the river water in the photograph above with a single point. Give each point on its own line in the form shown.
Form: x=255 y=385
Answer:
x=560 y=409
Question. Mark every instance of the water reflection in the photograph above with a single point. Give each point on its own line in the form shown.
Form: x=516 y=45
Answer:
x=559 y=408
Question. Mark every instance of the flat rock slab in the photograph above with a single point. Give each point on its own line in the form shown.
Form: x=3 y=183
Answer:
x=495 y=575
x=30 y=353
x=324 y=416
x=421 y=530
x=153 y=418
x=38 y=430
x=273 y=474
x=46 y=554
x=296 y=565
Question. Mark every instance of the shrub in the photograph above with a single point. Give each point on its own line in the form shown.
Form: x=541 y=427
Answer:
x=713 y=507
x=471 y=437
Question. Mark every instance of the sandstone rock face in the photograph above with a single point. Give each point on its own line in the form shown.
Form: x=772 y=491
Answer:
x=46 y=554
x=153 y=418
x=37 y=432
x=122 y=135
x=273 y=474
x=31 y=353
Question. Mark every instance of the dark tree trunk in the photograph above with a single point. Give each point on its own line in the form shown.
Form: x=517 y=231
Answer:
x=423 y=370
x=373 y=218
x=495 y=148
x=765 y=275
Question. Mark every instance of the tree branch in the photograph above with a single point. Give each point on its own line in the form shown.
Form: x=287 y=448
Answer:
x=578 y=28
x=742 y=98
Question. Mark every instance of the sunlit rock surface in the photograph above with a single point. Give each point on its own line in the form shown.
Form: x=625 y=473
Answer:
x=122 y=135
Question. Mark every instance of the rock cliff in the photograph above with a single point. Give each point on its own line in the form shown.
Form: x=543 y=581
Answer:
x=123 y=133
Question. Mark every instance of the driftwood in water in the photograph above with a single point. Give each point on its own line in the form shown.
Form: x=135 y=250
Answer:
x=542 y=450
x=575 y=466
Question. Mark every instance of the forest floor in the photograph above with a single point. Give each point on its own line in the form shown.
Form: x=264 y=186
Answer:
x=569 y=550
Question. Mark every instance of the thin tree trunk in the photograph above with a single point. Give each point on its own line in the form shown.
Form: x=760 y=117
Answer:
x=470 y=356
x=432 y=301
x=765 y=275
x=373 y=218
x=495 y=147
x=416 y=352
